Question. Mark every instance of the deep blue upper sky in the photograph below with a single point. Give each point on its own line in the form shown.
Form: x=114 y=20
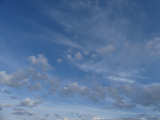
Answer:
x=79 y=60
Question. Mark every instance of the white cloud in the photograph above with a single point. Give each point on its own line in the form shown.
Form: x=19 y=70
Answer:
x=23 y=112
x=69 y=57
x=78 y=56
x=28 y=103
x=105 y=50
x=4 y=105
x=16 y=79
x=41 y=61
x=59 y=60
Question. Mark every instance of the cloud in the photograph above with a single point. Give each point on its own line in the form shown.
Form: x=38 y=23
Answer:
x=23 y=112
x=69 y=57
x=36 y=86
x=54 y=85
x=28 y=103
x=59 y=60
x=8 y=92
x=121 y=79
x=78 y=56
x=153 y=46
x=4 y=105
x=16 y=79
x=36 y=75
x=95 y=93
x=41 y=61
x=107 y=49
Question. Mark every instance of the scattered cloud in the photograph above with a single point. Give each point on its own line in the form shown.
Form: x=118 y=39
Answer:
x=78 y=56
x=41 y=61
x=31 y=72
x=36 y=86
x=23 y=112
x=29 y=103
x=16 y=79
x=4 y=105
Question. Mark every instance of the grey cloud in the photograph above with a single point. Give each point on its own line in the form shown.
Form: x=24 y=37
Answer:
x=4 y=105
x=41 y=61
x=95 y=93
x=28 y=103
x=13 y=97
x=148 y=95
x=16 y=79
x=36 y=75
x=36 y=86
x=8 y=92
x=54 y=85
x=23 y=112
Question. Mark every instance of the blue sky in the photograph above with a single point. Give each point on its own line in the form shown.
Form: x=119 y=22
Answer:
x=79 y=60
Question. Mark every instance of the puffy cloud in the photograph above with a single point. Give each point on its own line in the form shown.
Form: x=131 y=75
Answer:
x=28 y=103
x=36 y=75
x=54 y=85
x=78 y=56
x=107 y=49
x=95 y=93
x=16 y=79
x=69 y=57
x=23 y=112
x=36 y=86
x=4 y=105
x=59 y=60
x=41 y=61
x=72 y=88
x=148 y=95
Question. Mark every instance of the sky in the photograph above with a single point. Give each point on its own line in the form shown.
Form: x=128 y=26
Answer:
x=79 y=60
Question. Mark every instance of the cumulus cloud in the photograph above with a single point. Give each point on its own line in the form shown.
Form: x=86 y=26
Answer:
x=4 y=105
x=36 y=75
x=29 y=103
x=95 y=93
x=41 y=61
x=54 y=85
x=16 y=79
x=69 y=57
x=36 y=86
x=23 y=112
x=107 y=49
x=78 y=56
